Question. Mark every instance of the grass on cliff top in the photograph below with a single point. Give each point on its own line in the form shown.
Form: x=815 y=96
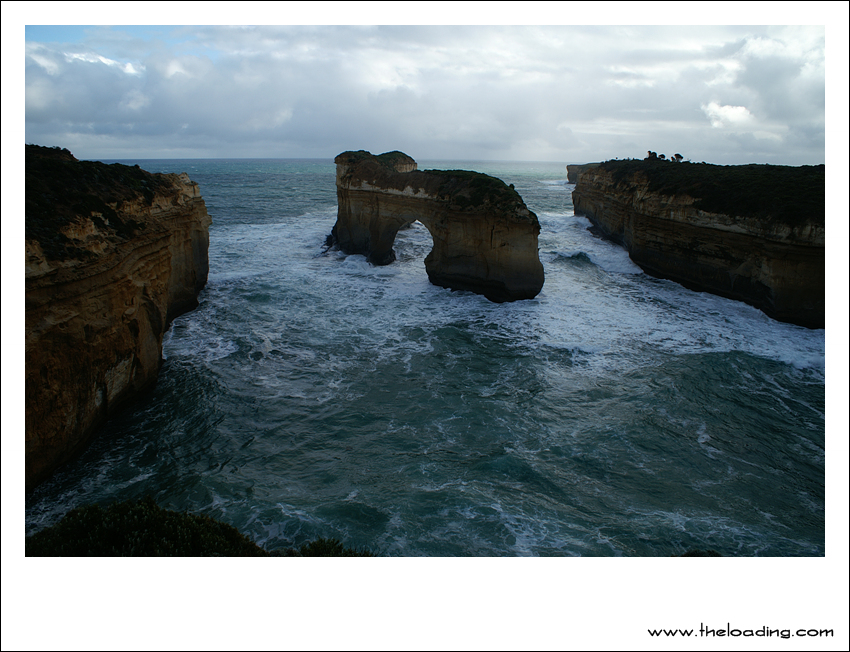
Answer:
x=59 y=188
x=465 y=189
x=790 y=195
x=142 y=529
x=470 y=189
x=390 y=159
x=387 y=159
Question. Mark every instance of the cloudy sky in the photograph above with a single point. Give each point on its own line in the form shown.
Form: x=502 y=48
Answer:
x=719 y=94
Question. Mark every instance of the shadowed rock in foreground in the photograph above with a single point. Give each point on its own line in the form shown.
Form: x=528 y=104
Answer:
x=485 y=238
x=113 y=254
x=143 y=529
x=754 y=233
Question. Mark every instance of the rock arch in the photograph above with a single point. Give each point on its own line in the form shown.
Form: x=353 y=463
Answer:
x=485 y=238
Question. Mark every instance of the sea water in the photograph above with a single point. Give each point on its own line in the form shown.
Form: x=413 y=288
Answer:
x=312 y=394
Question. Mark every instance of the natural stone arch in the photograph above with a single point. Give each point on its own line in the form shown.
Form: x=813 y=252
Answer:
x=485 y=238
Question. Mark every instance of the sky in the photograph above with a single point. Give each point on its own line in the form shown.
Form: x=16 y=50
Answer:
x=564 y=93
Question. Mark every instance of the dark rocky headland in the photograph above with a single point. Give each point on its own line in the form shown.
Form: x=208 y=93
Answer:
x=754 y=233
x=113 y=255
x=143 y=529
x=485 y=238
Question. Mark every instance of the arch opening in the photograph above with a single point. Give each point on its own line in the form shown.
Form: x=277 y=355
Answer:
x=484 y=237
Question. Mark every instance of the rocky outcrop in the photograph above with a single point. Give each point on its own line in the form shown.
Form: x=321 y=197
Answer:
x=574 y=171
x=753 y=233
x=485 y=238
x=113 y=254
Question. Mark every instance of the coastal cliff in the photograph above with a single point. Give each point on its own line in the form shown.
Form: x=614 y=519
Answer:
x=574 y=171
x=485 y=238
x=754 y=233
x=113 y=254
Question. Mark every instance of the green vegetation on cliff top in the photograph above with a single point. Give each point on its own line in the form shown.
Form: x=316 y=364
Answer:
x=463 y=189
x=59 y=188
x=786 y=194
x=390 y=159
x=387 y=159
x=468 y=189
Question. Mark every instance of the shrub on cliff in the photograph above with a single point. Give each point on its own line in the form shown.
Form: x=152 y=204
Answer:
x=139 y=529
x=470 y=190
x=787 y=194
x=142 y=529
x=330 y=548
x=59 y=188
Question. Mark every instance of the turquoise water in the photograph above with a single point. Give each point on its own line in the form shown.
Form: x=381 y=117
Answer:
x=311 y=394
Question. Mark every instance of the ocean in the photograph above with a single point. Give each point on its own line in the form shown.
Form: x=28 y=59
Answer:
x=311 y=394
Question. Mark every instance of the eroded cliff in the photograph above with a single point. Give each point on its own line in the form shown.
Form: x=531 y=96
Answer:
x=485 y=238
x=113 y=254
x=574 y=171
x=754 y=233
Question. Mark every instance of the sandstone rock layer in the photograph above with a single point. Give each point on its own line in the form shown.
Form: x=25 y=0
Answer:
x=113 y=254
x=752 y=233
x=485 y=238
x=574 y=171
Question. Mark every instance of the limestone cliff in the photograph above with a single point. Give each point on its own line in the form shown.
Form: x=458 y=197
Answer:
x=113 y=254
x=574 y=171
x=753 y=233
x=485 y=238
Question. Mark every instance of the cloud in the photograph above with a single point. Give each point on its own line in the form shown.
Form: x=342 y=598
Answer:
x=560 y=93
x=135 y=100
x=724 y=116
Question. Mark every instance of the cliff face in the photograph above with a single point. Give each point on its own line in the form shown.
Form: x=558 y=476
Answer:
x=574 y=171
x=113 y=254
x=763 y=247
x=485 y=238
